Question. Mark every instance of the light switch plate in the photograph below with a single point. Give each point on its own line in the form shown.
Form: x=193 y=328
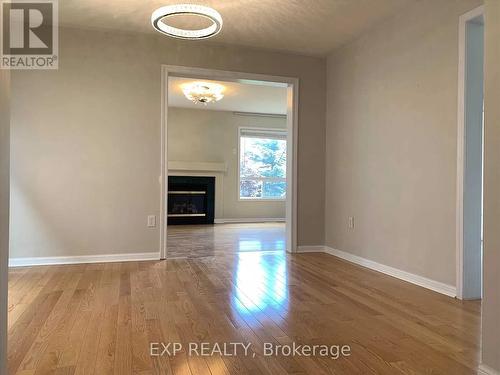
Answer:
x=351 y=222
x=152 y=221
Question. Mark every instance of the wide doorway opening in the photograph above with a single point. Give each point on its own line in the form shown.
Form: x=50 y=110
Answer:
x=228 y=183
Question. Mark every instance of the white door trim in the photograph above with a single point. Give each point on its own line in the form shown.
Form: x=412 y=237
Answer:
x=474 y=13
x=292 y=85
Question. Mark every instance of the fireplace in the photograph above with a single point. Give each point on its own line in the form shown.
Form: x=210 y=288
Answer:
x=191 y=200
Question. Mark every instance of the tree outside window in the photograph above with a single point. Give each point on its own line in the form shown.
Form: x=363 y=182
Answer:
x=262 y=164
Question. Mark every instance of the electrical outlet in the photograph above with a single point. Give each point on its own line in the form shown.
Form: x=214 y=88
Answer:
x=351 y=222
x=152 y=221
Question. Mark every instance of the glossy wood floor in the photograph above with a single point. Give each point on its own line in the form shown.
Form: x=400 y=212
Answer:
x=101 y=318
x=193 y=241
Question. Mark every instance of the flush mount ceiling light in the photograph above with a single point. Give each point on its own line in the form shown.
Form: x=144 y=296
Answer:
x=203 y=92
x=161 y=15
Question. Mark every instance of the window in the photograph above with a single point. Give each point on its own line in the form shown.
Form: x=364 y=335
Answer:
x=262 y=164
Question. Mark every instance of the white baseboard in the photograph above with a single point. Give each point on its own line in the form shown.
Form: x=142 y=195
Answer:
x=422 y=281
x=107 y=258
x=487 y=370
x=251 y=220
x=311 y=249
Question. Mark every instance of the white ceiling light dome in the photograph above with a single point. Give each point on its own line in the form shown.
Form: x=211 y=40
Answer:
x=162 y=14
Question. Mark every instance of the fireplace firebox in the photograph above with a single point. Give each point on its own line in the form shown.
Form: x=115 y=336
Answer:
x=191 y=200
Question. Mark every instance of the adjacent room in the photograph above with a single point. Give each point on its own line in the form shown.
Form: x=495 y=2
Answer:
x=249 y=187
x=227 y=167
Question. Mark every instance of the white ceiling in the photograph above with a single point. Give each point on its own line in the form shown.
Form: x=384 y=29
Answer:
x=312 y=27
x=238 y=97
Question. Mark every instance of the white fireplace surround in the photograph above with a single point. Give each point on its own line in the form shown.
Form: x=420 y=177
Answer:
x=217 y=170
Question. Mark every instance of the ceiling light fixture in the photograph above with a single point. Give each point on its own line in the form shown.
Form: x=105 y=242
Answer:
x=203 y=92
x=162 y=14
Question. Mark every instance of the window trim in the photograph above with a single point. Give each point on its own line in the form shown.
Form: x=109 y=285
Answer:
x=238 y=156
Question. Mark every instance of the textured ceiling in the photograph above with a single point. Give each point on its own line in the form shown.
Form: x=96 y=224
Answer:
x=238 y=97
x=312 y=27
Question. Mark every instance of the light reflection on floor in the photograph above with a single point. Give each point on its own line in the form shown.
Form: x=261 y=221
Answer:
x=257 y=245
x=260 y=283
x=259 y=280
x=193 y=241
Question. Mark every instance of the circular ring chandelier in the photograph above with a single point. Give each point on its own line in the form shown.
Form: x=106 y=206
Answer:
x=162 y=14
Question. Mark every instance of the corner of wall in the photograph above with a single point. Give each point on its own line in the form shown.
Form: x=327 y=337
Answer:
x=4 y=210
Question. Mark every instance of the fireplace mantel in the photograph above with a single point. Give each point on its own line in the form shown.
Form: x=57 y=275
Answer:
x=197 y=166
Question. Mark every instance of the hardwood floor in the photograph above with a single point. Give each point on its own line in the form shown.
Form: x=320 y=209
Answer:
x=102 y=318
x=193 y=241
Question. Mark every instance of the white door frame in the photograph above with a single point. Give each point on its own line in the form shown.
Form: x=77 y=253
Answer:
x=292 y=85
x=462 y=50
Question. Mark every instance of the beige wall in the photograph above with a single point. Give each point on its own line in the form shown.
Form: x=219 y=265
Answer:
x=391 y=140
x=4 y=210
x=491 y=301
x=86 y=141
x=212 y=136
